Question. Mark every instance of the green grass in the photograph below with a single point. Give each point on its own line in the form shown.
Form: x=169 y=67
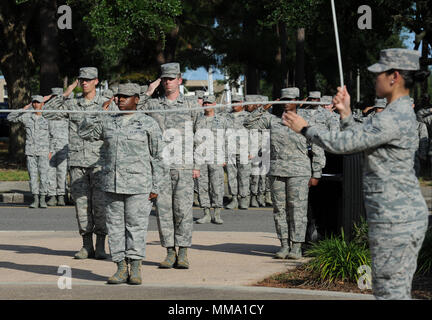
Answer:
x=14 y=175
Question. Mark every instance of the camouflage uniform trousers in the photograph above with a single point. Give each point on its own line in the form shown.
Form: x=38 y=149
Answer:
x=127 y=217
x=37 y=167
x=290 y=203
x=57 y=172
x=394 y=249
x=89 y=199
x=211 y=186
x=238 y=178
x=257 y=182
x=174 y=208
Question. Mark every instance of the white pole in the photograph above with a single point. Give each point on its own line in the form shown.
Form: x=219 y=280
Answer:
x=358 y=85
x=210 y=80
x=337 y=44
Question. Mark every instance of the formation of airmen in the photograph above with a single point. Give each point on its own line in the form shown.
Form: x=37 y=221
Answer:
x=118 y=169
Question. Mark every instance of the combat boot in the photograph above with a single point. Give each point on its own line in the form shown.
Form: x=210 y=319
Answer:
x=121 y=275
x=284 y=250
x=206 y=218
x=35 y=203
x=233 y=204
x=135 y=272
x=170 y=259
x=296 y=251
x=261 y=200
x=100 y=253
x=87 y=251
x=61 y=201
x=243 y=203
x=182 y=260
x=42 y=203
x=52 y=201
x=268 y=199
x=254 y=202
x=217 y=219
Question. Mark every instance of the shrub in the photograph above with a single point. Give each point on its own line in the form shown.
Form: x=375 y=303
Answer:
x=336 y=259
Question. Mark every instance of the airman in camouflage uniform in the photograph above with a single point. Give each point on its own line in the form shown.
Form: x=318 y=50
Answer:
x=174 y=203
x=238 y=169
x=131 y=174
x=291 y=171
x=211 y=179
x=86 y=161
x=58 y=163
x=397 y=214
x=37 y=148
x=257 y=180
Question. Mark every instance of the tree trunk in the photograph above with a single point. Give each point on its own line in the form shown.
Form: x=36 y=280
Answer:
x=17 y=65
x=49 y=70
x=280 y=78
x=300 y=59
x=252 y=80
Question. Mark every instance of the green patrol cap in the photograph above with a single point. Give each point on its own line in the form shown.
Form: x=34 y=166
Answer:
x=170 y=70
x=290 y=93
x=38 y=98
x=128 y=89
x=56 y=91
x=209 y=98
x=396 y=58
x=88 y=73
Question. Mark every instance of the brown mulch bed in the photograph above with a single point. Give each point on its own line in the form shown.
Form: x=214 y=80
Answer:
x=300 y=278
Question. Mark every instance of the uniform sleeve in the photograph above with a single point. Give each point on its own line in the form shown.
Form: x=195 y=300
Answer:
x=156 y=146
x=17 y=116
x=57 y=103
x=423 y=141
x=258 y=119
x=374 y=132
x=91 y=128
x=425 y=115
x=318 y=161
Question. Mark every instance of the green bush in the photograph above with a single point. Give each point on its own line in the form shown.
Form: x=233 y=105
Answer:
x=424 y=260
x=336 y=259
x=360 y=233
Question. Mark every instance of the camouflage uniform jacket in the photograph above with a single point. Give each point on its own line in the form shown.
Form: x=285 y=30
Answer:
x=133 y=144
x=217 y=125
x=37 y=132
x=288 y=150
x=389 y=140
x=183 y=121
x=82 y=153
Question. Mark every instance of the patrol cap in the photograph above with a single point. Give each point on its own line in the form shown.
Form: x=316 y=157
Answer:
x=209 y=98
x=56 y=91
x=396 y=58
x=38 y=98
x=199 y=94
x=170 y=70
x=128 y=89
x=326 y=100
x=144 y=89
x=315 y=95
x=290 y=93
x=88 y=73
x=380 y=103
x=264 y=98
x=252 y=98
x=236 y=98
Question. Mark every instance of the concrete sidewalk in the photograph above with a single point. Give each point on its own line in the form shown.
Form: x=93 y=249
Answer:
x=224 y=265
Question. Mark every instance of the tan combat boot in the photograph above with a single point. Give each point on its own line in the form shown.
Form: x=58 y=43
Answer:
x=121 y=275
x=135 y=272
x=182 y=260
x=217 y=218
x=206 y=218
x=87 y=250
x=170 y=259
